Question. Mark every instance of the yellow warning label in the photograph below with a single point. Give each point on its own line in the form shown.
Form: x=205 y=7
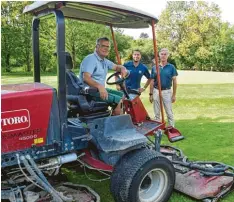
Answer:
x=38 y=140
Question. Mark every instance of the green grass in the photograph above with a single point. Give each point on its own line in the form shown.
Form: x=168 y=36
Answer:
x=204 y=114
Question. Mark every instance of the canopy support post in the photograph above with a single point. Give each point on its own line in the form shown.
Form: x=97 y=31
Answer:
x=157 y=67
x=115 y=46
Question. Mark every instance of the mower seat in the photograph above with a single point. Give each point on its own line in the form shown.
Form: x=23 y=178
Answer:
x=78 y=98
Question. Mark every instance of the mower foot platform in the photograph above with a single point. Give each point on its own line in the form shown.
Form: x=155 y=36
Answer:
x=148 y=127
x=173 y=134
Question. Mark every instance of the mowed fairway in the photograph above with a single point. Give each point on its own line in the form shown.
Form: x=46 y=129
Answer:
x=204 y=113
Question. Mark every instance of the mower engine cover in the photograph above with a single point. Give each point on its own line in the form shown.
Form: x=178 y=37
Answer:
x=25 y=115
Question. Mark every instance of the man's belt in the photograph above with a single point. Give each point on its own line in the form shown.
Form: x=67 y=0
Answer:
x=163 y=88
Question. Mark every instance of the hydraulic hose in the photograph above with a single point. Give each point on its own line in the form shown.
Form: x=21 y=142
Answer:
x=217 y=169
x=41 y=175
x=42 y=183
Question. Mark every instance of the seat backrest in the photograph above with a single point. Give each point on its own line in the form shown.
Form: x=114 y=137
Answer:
x=74 y=85
x=69 y=63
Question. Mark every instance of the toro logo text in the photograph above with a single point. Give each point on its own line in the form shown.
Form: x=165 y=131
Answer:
x=15 y=120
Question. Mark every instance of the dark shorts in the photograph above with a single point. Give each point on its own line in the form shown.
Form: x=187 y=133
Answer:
x=114 y=96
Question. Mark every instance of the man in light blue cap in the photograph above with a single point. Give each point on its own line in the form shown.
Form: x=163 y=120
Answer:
x=93 y=72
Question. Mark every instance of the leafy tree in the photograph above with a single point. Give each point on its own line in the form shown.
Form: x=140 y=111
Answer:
x=16 y=34
x=123 y=43
x=47 y=37
x=223 y=49
x=10 y=32
x=81 y=40
x=191 y=31
x=25 y=22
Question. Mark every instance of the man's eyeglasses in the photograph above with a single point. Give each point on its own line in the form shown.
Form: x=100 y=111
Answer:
x=163 y=53
x=104 y=46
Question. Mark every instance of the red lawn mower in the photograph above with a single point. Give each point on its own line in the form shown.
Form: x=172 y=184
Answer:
x=44 y=128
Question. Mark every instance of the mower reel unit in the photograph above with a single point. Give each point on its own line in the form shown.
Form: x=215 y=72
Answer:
x=44 y=128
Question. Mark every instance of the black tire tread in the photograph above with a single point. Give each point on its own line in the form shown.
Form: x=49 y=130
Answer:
x=127 y=168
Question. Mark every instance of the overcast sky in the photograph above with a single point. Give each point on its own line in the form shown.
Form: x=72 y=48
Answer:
x=155 y=7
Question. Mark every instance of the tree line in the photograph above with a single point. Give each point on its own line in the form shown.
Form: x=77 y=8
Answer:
x=192 y=31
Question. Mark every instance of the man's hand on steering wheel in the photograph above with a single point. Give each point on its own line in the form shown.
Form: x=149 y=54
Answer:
x=124 y=72
x=118 y=79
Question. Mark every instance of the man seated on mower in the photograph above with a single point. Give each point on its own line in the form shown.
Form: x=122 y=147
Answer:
x=93 y=72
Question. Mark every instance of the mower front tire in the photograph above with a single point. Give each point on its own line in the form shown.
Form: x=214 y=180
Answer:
x=142 y=175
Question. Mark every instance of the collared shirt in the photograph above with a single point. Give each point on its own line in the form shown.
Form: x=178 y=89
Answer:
x=96 y=66
x=136 y=73
x=166 y=74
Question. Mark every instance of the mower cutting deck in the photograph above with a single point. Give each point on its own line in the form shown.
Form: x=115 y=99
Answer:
x=206 y=181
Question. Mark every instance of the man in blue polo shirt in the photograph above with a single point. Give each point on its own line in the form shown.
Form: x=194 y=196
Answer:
x=137 y=70
x=168 y=74
x=93 y=72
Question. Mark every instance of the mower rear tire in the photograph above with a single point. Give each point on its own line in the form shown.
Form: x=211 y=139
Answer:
x=143 y=175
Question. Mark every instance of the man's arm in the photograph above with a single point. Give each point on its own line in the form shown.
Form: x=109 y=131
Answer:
x=120 y=68
x=151 y=90
x=88 y=79
x=146 y=85
x=123 y=70
x=147 y=75
x=152 y=76
x=174 y=80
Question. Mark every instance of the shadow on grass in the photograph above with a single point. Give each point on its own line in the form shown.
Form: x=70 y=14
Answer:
x=205 y=139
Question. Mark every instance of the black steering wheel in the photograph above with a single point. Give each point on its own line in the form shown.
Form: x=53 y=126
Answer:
x=117 y=82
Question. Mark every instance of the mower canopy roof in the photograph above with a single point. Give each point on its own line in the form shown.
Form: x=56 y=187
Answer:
x=103 y=12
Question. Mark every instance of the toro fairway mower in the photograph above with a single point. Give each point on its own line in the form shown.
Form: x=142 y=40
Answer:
x=44 y=128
